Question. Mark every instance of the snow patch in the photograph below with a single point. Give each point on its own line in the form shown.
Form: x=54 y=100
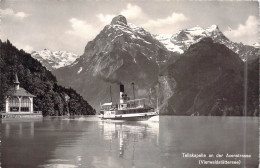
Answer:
x=256 y=45
x=80 y=69
x=184 y=38
x=56 y=59
x=135 y=60
x=165 y=39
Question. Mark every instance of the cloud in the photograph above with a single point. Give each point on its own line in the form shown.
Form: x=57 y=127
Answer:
x=28 y=48
x=248 y=32
x=81 y=29
x=105 y=18
x=8 y=12
x=130 y=12
x=173 y=19
x=170 y=24
x=134 y=13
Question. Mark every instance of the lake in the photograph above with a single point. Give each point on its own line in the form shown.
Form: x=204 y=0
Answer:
x=63 y=142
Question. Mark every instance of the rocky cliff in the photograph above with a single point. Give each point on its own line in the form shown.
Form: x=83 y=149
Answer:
x=208 y=79
x=120 y=53
x=197 y=71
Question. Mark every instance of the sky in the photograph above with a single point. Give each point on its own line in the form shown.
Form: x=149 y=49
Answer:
x=70 y=24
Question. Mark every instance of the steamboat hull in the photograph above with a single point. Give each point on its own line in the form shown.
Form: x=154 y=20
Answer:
x=130 y=110
x=131 y=117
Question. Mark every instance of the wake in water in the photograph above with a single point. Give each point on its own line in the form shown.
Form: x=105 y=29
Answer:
x=96 y=118
x=84 y=118
x=154 y=119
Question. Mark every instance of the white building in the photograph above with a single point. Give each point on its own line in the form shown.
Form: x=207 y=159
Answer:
x=18 y=100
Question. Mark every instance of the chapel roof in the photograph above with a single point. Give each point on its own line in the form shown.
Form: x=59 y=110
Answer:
x=19 y=92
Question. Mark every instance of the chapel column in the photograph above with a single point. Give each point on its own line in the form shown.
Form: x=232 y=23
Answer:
x=7 y=104
x=20 y=103
x=31 y=104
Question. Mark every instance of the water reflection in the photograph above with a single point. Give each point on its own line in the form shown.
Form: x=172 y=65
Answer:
x=81 y=142
x=108 y=144
x=128 y=133
x=23 y=127
x=38 y=138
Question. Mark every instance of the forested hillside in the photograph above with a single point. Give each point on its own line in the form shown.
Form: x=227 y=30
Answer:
x=51 y=98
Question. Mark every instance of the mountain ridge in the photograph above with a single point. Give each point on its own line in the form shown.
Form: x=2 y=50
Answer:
x=54 y=59
x=176 y=43
x=125 y=53
x=180 y=41
x=207 y=80
x=120 y=52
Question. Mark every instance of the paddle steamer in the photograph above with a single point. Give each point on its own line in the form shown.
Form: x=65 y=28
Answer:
x=136 y=109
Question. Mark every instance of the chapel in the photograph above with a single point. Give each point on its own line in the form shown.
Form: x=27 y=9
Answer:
x=18 y=100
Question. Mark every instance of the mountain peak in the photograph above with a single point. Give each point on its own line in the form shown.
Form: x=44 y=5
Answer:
x=181 y=41
x=256 y=45
x=213 y=28
x=53 y=60
x=120 y=19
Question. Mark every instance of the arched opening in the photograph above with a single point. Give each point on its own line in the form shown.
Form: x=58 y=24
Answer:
x=25 y=104
x=14 y=104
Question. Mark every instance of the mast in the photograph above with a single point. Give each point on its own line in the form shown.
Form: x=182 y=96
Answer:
x=110 y=95
x=134 y=90
x=157 y=105
x=122 y=94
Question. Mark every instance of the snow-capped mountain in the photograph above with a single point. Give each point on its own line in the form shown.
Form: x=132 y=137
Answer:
x=121 y=52
x=131 y=37
x=182 y=40
x=125 y=53
x=256 y=45
x=53 y=60
x=207 y=80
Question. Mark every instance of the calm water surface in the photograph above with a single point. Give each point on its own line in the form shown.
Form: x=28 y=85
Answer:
x=90 y=143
